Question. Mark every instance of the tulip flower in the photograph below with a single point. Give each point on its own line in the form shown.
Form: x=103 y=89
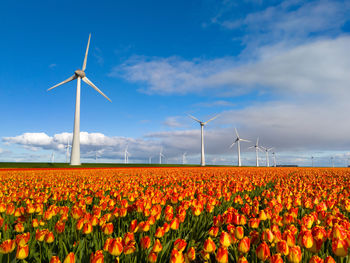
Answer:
x=244 y=245
x=225 y=239
x=115 y=248
x=157 y=247
x=276 y=258
x=55 y=259
x=22 y=252
x=263 y=251
x=97 y=257
x=145 y=242
x=222 y=255
x=294 y=255
x=7 y=246
x=191 y=254
x=209 y=245
x=70 y=258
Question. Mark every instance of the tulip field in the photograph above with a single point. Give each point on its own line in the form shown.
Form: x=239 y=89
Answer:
x=177 y=214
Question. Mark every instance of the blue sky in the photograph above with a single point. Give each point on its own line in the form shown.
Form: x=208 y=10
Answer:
x=274 y=69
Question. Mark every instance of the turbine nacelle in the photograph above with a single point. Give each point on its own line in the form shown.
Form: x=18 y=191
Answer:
x=79 y=73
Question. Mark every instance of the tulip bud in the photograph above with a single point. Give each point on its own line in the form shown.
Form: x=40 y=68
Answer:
x=340 y=247
x=176 y=256
x=55 y=259
x=7 y=246
x=191 y=254
x=282 y=247
x=87 y=228
x=145 y=242
x=239 y=232
x=70 y=258
x=115 y=248
x=157 y=247
x=276 y=259
x=222 y=255
x=242 y=259
x=244 y=245
x=209 y=245
x=294 y=255
x=49 y=237
x=316 y=259
x=225 y=239
x=180 y=244
x=152 y=257
x=22 y=252
x=263 y=251
x=97 y=257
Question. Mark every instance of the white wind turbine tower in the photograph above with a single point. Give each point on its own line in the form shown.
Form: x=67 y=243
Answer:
x=126 y=155
x=312 y=161
x=67 y=151
x=161 y=155
x=274 y=159
x=238 y=140
x=332 y=160
x=79 y=75
x=184 y=159
x=257 y=149
x=267 y=155
x=202 y=124
x=52 y=157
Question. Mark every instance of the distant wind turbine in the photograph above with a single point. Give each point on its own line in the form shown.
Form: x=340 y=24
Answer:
x=332 y=160
x=67 y=151
x=79 y=75
x=202 y=124
x=274 y=159
x=267 y=155
x=126 y=155
x=52 y=157
x=238 y=140
x=161 y=155
x=184 y=159
x=257 y=149
x=312 y=161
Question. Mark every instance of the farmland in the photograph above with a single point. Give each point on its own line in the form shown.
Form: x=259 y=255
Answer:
x=175 y=214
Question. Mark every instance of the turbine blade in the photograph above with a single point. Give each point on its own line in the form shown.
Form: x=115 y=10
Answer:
x=212 y=119
x=236 y=133
x=87 y=81
x=251 y=147
x=270 y=149
x=86 y=54
x=244 y=140
x=64 y=82
x=194 y=118
x=232 y=144
x=257 y=141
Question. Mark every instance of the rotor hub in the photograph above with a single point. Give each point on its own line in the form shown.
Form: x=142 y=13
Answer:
x=80 y=73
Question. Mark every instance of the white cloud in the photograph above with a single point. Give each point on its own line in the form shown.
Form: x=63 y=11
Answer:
x=316 y=68
x=291 y=20
x=173 y=122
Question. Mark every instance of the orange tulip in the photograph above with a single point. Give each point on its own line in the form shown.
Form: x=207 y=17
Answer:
x=49 y=237
x=209 y=245
x=107 y=228
x=242 y=259
x=191 y=254
x=145 y=242
x=239 y=232
x=263 y=251
x=222 y=255
x=340 y=247
x=152 y=257
x=180 y=244
x=22 y=252
x=22 y=239
x=157 y=247
x=213 y=231
x=59 y=227
x=70 y=258
x=225 y=239
x=294 y=255
x=316 y=259
x=87 y=228
x=282 y=248
x=329 y=259
x=115 y=248
x=176 y=256
x=55 y=259
x=244 y=245
x=276 y=258
x=97 y=257
x=7 y=246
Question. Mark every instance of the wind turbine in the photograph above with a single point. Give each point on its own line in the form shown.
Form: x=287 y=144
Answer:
x=52 y=157
x=257 y=149
x=312 y=161
x=150 y=159
x=126 y=155
x=161 y=155
x=274 y=159
x=332 y=160
x=79 y=75
x=202 y=124
x=238 y=140
x=184 y=159
x=67 y=150
x=267 y=155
